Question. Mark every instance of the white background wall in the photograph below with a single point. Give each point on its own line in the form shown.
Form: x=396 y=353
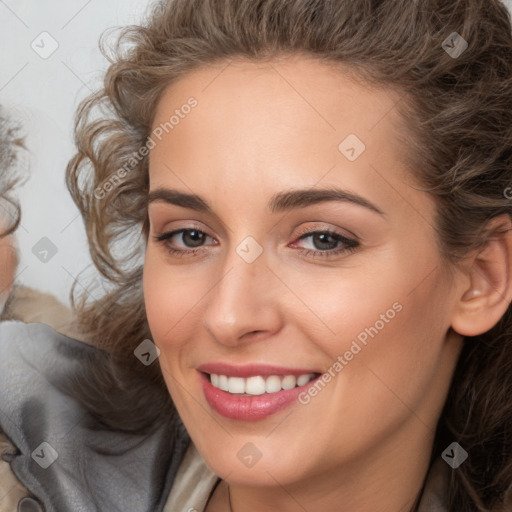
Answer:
x=42 y=94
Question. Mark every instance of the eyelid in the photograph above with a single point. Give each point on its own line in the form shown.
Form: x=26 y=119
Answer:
x=321 y=227
x=349 y=242
x=167 y=234
x=164 y=214
x=183 y=226
x=311 y=230
x=346 y=241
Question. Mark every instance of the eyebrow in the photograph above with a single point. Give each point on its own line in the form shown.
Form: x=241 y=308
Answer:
x=281 y=202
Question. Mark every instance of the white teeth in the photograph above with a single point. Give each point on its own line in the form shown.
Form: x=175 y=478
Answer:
x=258 y=385
x=236 y=385
x=255 y=385
x=303 y=379
x=289 y=382
x=272 y=384
x=223 y=383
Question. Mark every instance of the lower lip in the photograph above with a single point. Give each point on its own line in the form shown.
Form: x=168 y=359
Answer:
x=249 y=408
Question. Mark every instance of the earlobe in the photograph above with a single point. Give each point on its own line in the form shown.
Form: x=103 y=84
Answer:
x=486 y=293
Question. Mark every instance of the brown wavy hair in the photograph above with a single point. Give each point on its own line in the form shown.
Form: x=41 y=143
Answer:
x=458 y=113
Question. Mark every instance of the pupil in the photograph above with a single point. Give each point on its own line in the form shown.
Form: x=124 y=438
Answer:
x=193 y=238
x=321 y=241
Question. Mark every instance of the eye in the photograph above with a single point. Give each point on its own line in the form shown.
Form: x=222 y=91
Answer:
x=323 y=243
x=326 y=243
x=191 y=241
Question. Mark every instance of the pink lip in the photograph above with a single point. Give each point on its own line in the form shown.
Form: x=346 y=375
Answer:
x=251 y=370
x=247 y=407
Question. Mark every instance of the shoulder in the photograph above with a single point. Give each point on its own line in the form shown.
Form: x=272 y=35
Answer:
x=36 y=337
x=64 y=456
x=30 y=305
x=36 y=362
x=33 y=358
x=37 y=350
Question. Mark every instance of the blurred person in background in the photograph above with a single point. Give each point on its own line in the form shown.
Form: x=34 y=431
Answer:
x=10 y=214
x=17 y=301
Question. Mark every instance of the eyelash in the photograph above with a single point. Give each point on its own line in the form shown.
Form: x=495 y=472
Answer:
x=350 y=245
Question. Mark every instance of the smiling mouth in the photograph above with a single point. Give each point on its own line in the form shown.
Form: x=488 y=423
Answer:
x=259 y=385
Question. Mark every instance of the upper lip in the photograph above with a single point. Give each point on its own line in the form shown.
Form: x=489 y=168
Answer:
x=251 y=370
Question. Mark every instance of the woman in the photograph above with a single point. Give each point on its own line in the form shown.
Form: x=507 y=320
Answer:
x=9 y=209
x=302 y=211
x=18 y=301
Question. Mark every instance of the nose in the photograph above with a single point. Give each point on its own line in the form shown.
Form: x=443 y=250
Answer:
x=244 y=305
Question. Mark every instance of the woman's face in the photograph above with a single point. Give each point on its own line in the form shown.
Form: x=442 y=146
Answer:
x=281 y=249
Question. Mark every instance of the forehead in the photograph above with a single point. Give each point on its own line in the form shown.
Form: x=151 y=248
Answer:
x=274 y=124
x=328 y=98
x=270 y=105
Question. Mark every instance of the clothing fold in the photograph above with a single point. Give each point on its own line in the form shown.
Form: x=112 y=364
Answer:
x=64 y=456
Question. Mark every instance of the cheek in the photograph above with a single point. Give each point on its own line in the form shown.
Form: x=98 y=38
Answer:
x=169 y=297
x=402 y=342
x=389 y=318
x=384 y=359
x=355 y=302
x=168 y=293
x=174 y=299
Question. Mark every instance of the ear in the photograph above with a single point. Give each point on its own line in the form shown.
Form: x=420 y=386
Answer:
x=485 y=289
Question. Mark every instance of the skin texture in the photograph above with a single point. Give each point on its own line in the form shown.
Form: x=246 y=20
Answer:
x=8 y=262
x=364 y=442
